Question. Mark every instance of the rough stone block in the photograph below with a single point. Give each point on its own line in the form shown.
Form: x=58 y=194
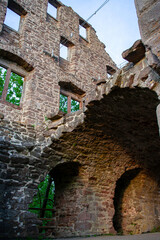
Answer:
x=56 y=123
x=135 y=53
x=144 y=73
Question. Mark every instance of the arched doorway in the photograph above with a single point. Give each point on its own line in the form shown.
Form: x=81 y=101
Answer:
x=65 y=176
x=136 y=202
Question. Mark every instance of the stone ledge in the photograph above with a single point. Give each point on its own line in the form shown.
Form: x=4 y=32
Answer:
x=135 y=53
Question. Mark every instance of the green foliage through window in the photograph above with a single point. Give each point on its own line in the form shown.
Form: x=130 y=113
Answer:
x=15 y=89
x=74 y=105
x=3 y=73
x=38 y=200
x=63 y=103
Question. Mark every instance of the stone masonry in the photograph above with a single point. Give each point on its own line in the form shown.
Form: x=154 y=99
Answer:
x=103 y=158
x=38 y=37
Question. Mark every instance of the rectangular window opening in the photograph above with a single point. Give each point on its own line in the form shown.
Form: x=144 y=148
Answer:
x=64 y=52
x=12 y=19
x=15 y=88
x=3 y=72
x=82 y=31
x=75 y=105
x=52 y=10
x=65 y=48
x=63 y=104
x=71 y=97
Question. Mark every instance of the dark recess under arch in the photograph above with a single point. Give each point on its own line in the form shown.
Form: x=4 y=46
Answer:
x=121 y=185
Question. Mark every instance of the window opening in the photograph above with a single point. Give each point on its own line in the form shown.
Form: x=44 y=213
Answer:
x=11 y=85
x=74 y=105
x=63 y=103
x=15 y=87
x=12 y=19
x=82 y=31
x=43 y=202
x=109 y=75
x=3 y=72
x=65 y=48
x=13 y=15
x=71 y=97
x=110 y=71
x=52 y=10
x=64 y=51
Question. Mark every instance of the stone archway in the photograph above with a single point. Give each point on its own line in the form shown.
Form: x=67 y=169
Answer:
x=119 y=132
x=136 y=202
x=66 y=184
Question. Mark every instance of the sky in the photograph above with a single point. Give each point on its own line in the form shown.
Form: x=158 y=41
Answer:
x=116 y=24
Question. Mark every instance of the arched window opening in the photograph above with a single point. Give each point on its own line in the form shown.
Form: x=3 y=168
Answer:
x=48 y=203
x=43 y=202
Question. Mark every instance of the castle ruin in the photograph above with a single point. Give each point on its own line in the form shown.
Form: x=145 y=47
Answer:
x=105 y=157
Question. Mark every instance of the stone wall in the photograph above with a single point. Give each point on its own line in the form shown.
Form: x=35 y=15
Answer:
x=149 y=23
x=36 y=41
x=136 y=198
x=21 y=170
x=105 y=150
x=104 y=158
x=86 y=165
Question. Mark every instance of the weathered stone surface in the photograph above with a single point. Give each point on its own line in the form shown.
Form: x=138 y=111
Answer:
x=149 y=23
x=144 y=4
x=153 y=61
x=1 y=115
x=158 y=116
x=118 y=142
x=135 y=53
x=105 y=166
x=33 y=47
x=144 y=73
x=56 y=123
x=53 y=116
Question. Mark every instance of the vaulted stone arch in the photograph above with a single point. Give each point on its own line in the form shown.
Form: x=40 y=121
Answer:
x=120 y=133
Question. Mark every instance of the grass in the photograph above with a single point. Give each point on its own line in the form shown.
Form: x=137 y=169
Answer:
x=155 y=229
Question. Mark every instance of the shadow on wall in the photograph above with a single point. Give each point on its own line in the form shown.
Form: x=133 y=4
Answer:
x=63 y=173
x=130 y=121
x=121 y=185
x=119 y=131
x=136 y=202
